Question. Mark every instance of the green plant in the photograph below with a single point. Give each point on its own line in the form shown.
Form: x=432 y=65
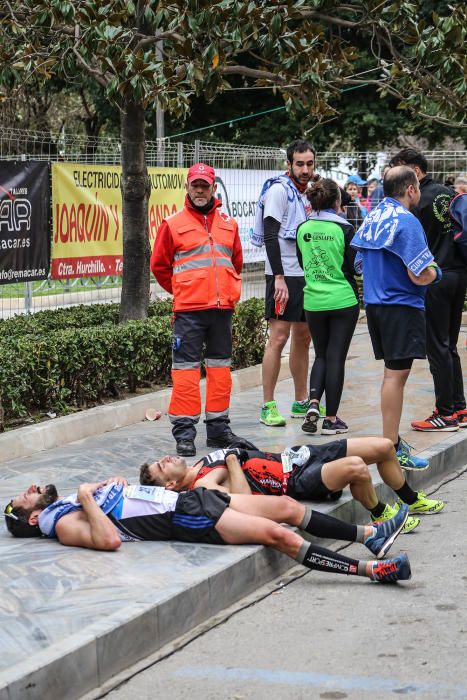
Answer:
x=49 y=362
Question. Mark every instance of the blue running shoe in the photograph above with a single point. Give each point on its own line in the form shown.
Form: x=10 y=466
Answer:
x=409 y=461
x=386 y=532
x=392 y=570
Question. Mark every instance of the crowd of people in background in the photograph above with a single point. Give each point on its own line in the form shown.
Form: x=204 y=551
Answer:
x=414 y=286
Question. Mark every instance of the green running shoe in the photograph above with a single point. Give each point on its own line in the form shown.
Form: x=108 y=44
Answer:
x=424 y=505
x=299 y=409
x=389 y=512
x=270 y=415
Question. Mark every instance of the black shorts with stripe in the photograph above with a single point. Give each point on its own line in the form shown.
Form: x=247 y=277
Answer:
x=196 y=515
x=193 y=520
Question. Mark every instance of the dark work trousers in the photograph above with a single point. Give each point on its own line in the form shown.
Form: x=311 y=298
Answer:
x=444 y=303
x=331 y=332
x=192 y=330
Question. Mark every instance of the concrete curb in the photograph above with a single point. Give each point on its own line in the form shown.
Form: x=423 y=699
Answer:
x=24 y=442
x=90 y=659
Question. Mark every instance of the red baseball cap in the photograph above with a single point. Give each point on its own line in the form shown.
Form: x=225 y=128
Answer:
x=201 y=171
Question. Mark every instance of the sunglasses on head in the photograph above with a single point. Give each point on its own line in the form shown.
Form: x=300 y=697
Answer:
x=8 y=512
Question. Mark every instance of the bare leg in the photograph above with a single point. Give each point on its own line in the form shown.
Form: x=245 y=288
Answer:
x=279 y=332
x=392 y=397
x=242 y=528
x=298 y=359
x=280 y=509
x=379 y=451
x=239 y=528
x=353 y=472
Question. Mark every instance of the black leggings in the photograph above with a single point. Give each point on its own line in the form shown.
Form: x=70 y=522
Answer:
x=331 y=332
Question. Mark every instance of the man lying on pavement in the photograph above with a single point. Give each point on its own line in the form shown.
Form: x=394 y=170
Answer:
x=103 y=515
x=305 y=472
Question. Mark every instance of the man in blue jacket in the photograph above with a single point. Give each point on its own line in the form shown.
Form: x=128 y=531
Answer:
x=397 y=266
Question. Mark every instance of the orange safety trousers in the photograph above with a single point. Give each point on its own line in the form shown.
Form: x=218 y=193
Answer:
x=186 y=395
x=191 y=332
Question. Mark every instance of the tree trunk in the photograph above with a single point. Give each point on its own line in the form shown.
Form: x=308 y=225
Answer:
x=136 y=188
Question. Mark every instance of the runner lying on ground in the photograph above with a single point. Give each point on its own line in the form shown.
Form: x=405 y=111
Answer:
x=304 y=472
x=103 y=515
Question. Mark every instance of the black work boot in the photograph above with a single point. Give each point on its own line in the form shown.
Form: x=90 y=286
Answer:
x=186 y=448
x=223 y=440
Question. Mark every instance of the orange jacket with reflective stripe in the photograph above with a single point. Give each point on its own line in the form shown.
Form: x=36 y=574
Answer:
x=199 y=259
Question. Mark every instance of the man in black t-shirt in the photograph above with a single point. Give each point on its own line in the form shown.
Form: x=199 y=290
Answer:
x=444 y=301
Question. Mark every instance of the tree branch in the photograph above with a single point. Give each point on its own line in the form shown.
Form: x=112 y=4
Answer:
x=327 y=19
x=96 y=74
x=150 y=40
x=254 y=73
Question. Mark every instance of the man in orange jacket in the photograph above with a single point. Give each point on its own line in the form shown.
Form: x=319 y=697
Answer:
x=198 y=258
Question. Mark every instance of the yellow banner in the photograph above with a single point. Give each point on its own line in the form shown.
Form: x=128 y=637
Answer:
x=87 y=216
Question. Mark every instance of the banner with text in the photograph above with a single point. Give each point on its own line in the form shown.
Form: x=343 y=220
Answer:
x=87 y=216
x=239 y=191
x=24 y=221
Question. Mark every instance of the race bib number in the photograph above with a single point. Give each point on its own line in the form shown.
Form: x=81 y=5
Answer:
x=287 y=465
x=155 y=494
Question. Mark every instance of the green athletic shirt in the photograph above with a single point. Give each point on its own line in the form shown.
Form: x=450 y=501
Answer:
x=325 y=255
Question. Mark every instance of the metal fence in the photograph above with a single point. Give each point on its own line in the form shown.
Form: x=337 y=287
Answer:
x=245 y=165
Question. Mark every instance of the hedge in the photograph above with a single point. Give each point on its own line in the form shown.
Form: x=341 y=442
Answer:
x=81 y=316
x=72 y=358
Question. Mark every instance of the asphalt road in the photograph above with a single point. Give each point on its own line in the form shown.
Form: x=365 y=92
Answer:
x=330 y=637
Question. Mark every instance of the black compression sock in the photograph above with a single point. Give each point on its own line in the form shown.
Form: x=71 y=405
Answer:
x=378 y=509
x=322 y=525
x=407 y=494
x=314 y=557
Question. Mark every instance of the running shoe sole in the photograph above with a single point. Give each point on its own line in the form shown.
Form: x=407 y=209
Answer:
x=310 y=425
x=409 y=468
x=332 y=431
x=272 y=425
x=447 y=429
x=389 y=542
x=410 y=524
x=429 y=511
x=310 y=428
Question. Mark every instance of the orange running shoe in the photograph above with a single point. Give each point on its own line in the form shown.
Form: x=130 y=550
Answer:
x=437 y=423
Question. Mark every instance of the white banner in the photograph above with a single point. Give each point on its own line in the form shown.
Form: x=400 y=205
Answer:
x=239 y=191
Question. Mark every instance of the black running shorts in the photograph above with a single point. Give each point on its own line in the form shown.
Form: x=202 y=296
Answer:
x=293 y=311
x=397 y=332
x=305 y=482
x=196 y=515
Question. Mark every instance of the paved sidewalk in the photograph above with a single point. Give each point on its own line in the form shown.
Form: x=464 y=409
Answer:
x=72 y=618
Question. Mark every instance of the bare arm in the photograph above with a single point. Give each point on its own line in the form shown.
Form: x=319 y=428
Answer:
x=427 y=276
x=238 y=482
x=89 y=528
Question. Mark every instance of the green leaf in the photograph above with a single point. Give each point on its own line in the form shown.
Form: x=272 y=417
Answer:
x=276 y=24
